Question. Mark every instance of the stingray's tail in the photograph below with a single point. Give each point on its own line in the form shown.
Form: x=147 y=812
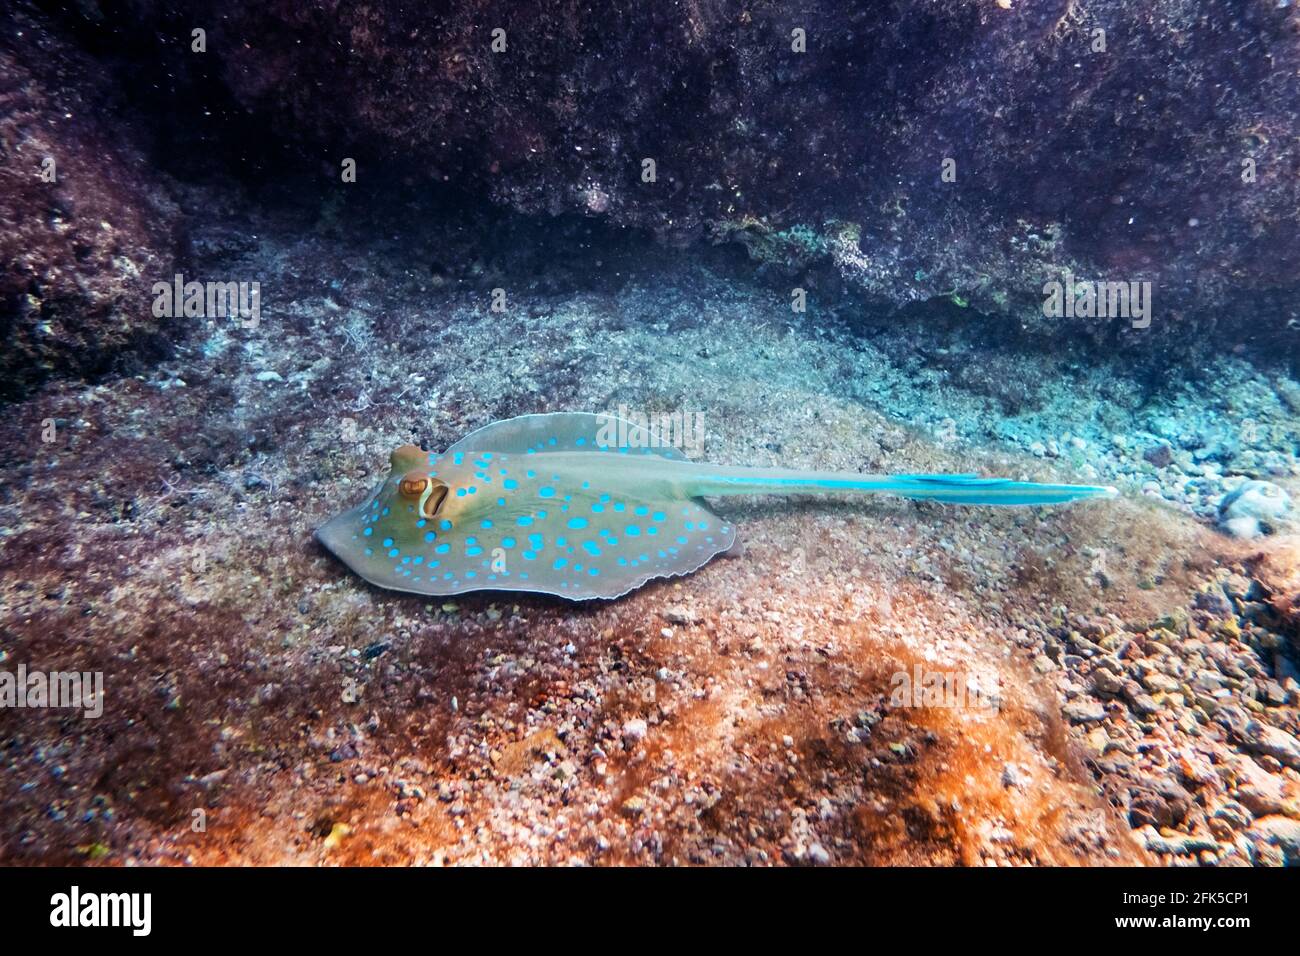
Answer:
x=957 y=489
x=973 y=490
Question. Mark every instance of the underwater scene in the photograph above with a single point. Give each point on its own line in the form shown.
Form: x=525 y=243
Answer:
x=584 y=432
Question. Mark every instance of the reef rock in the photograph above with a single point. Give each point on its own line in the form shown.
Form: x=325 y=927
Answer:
x=927 y=149
x=88 y=225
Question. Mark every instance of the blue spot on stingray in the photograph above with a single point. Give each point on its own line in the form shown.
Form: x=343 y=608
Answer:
x=619 y=506
x=457 y=458
x=529 y=556
x=510 y=484
x=444 y=525
x=581 y=441
x=658 y=516
x=597 y=508
x=429 y=536
x=593 y=571
x=546 y=492
x=537 y=541
x=577 y=522
x=559 y=563
x=394 y=553
x=651 y=530
x=369 y=532
x=486 y=523
x=531 y=473
x=500 y=502
x=369 y=552
x=560 y=541
x=421 y=523
x=473 y=552
x=523 y=521
x=388 y=542
x=604 y=499
x=591 y=548
x=642 y=511
x=460 y=492
x=631 y=531
x=442 y=549
x=681 y=539
x=507 y=542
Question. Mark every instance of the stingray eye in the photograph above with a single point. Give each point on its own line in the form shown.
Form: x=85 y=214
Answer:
x=412 y=486
x=422 y=489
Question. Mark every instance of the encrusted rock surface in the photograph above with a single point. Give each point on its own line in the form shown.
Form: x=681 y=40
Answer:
x=83 y=239
x=1119 y=155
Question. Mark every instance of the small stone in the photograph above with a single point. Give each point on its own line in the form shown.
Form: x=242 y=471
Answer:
x=1146 y=705
x=1160 y=456
x=1281 y=832
x=679 y=614
x=1084 y=711
x=1097 y=741
x=635 y=730
x=1106 y=684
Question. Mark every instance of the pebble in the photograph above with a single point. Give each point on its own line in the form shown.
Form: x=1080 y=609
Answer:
x=679 y=614
x=1254 y=509
x=635 y=730
x=1084 y=711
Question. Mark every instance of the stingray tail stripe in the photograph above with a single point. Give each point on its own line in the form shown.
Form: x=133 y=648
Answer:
x=957 y=489
x=965 y=489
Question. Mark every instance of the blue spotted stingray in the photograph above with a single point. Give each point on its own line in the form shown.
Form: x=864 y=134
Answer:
x=544 y=503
